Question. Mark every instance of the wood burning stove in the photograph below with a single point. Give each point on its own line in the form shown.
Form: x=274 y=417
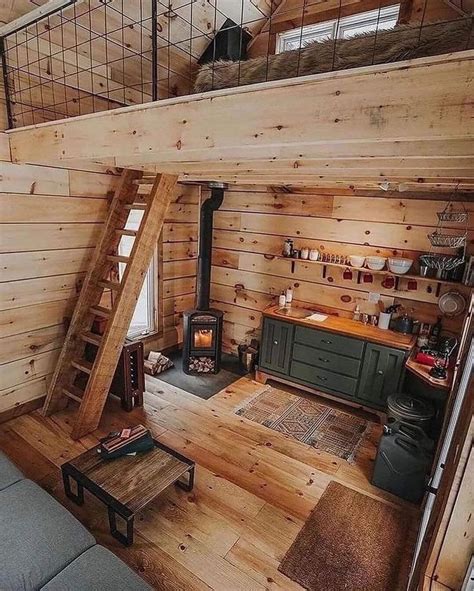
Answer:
x=202 y=327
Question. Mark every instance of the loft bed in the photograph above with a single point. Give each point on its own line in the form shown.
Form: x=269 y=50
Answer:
x=407 y=123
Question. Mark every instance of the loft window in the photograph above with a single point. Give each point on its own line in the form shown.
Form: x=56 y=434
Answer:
x=346 y=27
x=144 y=320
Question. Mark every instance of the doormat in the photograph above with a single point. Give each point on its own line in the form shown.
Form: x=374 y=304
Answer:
x=308 y=421
x=350 y=542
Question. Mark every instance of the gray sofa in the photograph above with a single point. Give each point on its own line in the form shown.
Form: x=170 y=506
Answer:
x=42 y=546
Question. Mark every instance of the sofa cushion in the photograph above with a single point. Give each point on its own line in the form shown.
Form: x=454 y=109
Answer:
x=38 y=537
x=9 y=473
x=97 y=570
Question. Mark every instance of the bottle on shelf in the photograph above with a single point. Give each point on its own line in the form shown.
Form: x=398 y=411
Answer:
x=289 y=295
x=435 y=334
x=356 y=313
x=282 y=300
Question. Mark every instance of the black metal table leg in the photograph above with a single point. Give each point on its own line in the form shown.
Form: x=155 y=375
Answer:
x=187 y=486
x=78 y=497
x=127 y=539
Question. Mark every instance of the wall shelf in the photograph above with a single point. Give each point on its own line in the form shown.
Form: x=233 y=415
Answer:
x=360 y=271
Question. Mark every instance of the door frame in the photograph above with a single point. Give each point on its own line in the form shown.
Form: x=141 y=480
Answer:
x=456 y=445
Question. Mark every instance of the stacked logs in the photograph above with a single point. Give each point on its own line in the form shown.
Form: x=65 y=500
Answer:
x=202 y=364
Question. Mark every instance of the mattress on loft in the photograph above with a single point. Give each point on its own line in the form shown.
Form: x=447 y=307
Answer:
x=401 y=43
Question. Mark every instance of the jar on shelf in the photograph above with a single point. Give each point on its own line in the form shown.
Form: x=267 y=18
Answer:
x=288 y=247
x=304 y=253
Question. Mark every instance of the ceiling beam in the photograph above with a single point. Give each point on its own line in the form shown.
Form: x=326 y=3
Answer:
x=34 y=15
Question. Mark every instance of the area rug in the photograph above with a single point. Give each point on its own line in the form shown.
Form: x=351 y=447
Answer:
x=350 y=542
x=309 y=421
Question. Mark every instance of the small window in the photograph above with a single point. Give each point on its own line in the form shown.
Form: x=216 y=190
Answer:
x=346 y=27
x=144 y=318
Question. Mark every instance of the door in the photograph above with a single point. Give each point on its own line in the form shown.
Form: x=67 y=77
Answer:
x=381 y=374
x=277 y=340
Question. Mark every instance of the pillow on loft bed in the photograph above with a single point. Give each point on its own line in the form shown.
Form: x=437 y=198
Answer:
x=401 y=43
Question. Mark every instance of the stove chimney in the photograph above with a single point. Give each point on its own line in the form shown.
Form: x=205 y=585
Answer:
x=203 y=284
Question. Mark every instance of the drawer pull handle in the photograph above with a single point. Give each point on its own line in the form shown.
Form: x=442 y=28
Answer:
x=322 y=359
x=322 y=379
x=275 y=342
x=326 y=342
x=380 y=372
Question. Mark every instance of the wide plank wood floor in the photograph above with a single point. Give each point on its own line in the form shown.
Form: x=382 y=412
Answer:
x=254 y=487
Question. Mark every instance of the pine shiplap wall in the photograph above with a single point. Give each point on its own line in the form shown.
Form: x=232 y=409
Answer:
x=253 y=222
x=50 y=221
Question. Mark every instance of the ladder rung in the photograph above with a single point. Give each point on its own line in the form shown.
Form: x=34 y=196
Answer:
x=117 y=258
x=145 y=181
x=100 y=311
x=110 y=285
x=136 y=206
x=91 y=337
x=73 y=393
x=82 y=365
x=124 y=232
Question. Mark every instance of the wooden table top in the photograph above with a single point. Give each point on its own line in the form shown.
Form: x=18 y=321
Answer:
x=133 y=481
x=344 y=326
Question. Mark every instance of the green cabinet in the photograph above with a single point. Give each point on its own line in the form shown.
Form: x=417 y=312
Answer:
x=277 y=342
x=381 y=374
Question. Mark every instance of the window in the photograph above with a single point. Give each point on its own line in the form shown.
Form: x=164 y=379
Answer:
x=348 y=26
x=144 y=318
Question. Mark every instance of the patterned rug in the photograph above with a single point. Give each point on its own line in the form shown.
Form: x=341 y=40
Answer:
x=308 y=421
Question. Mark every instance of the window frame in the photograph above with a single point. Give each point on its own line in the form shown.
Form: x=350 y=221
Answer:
x=155 y=302
x=335 y=28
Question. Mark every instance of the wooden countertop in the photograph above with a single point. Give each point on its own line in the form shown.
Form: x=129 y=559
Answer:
x=423 y=372
x=344 y=326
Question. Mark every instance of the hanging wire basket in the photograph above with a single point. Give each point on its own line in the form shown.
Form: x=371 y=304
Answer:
x=447 y=240
x=452 y=216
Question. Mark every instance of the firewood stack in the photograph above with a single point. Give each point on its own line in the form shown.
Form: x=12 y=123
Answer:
x=157 y=363
x=202 y=364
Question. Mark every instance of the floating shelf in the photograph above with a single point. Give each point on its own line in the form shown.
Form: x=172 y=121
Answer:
x=360 y=270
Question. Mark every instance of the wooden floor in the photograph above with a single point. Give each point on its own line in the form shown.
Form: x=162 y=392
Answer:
x=254 y=488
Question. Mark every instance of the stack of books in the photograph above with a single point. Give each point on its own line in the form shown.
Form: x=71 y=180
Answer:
x=128 y=441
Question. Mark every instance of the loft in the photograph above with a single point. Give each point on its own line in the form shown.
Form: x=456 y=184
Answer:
x=369 y=123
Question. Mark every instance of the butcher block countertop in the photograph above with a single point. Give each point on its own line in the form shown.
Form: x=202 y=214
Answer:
x=344 y=326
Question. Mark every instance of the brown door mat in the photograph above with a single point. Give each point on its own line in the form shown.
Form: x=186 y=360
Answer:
x=350 y=542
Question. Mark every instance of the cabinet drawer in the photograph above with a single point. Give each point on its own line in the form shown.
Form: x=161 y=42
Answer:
x=328 y=341
x=318 y=377
x=326 y=360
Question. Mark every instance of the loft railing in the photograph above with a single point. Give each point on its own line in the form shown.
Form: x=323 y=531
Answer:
x=85 y=56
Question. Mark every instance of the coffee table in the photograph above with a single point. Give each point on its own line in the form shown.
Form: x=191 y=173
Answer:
x=127 y=484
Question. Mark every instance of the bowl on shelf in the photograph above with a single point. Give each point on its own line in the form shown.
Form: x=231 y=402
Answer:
x=399 y=266
x=375 y=263
x=356 y=261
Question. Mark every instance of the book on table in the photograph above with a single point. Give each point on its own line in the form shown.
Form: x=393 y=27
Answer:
x=127 y=441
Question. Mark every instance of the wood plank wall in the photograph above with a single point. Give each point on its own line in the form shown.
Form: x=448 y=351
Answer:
x=253 y=222
x=50 y=221
x=51 y=218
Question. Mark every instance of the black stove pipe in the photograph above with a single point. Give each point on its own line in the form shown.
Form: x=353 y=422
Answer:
x=206 y=223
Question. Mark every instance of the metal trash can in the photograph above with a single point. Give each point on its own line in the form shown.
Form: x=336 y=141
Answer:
x=403 y=461
x=406 y=409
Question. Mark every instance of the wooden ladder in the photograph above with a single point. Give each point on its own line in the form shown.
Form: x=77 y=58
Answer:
x=72 y=363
